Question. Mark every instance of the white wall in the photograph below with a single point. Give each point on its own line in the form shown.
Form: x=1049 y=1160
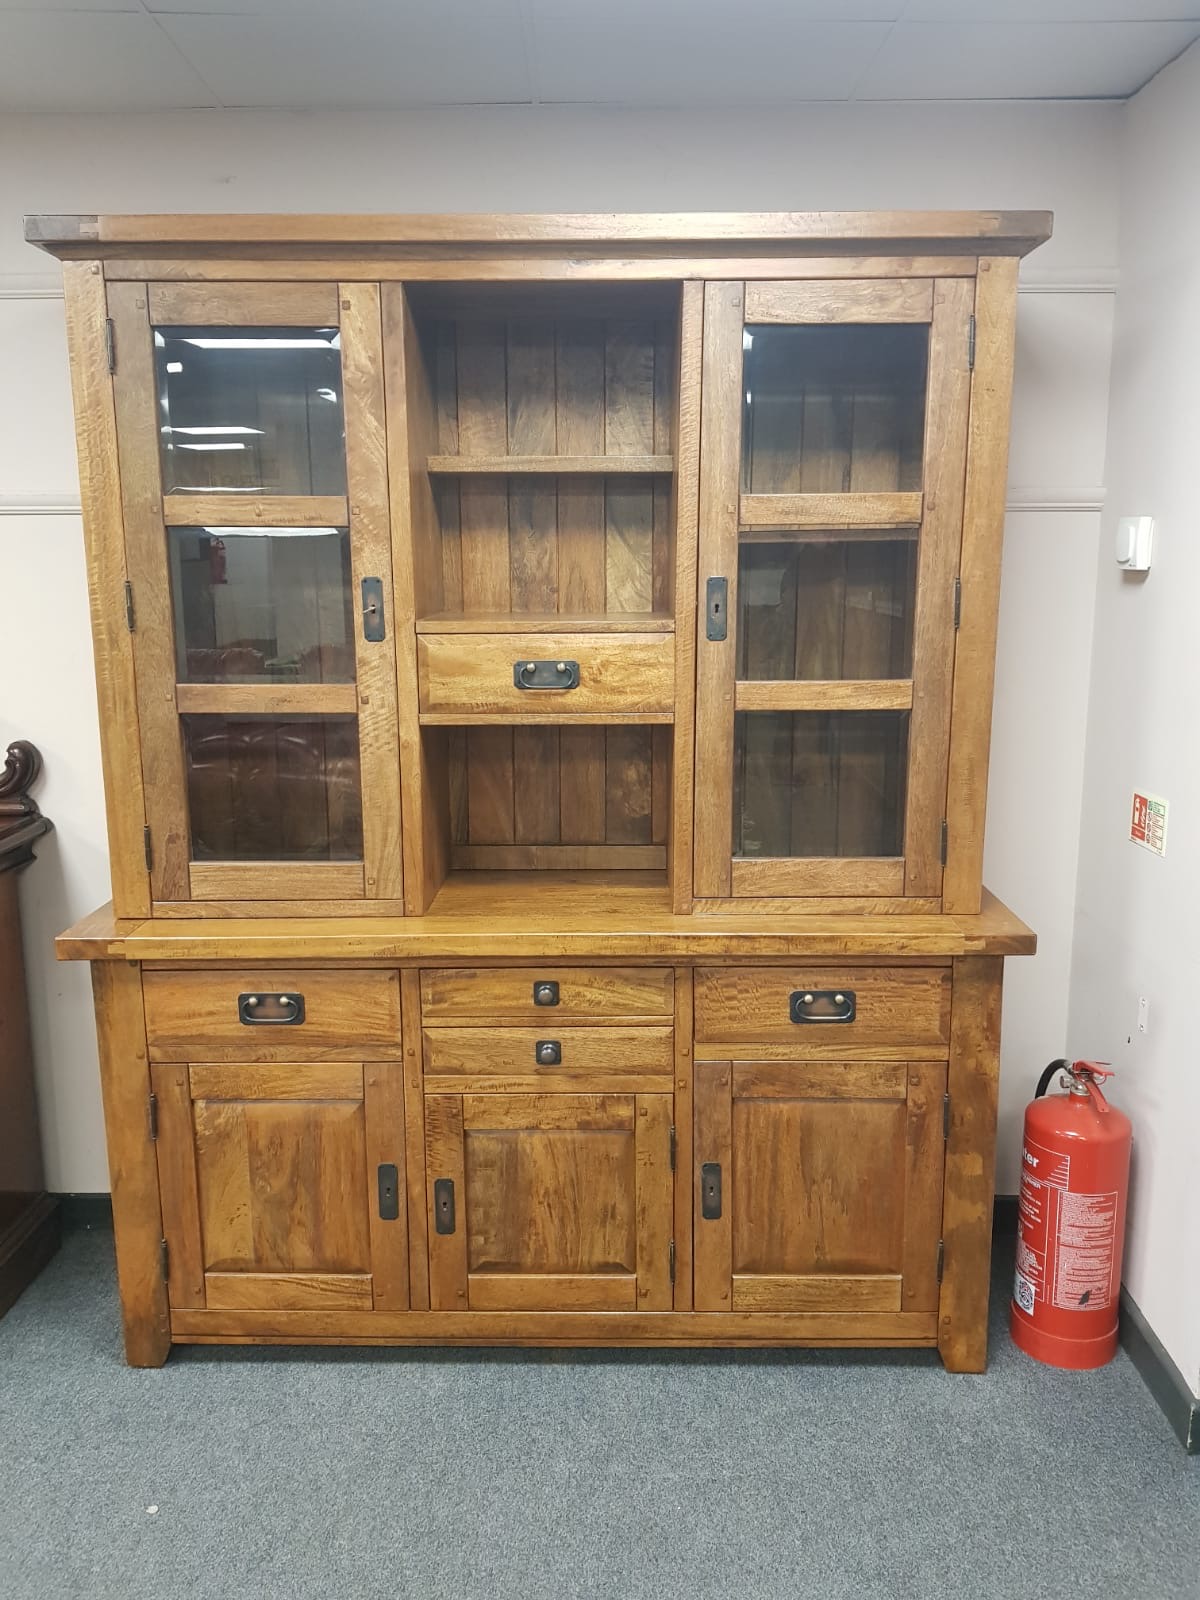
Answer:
x=1136 y=931
x=836 y=157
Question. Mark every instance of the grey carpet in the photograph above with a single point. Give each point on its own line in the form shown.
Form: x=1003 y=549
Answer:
x=300 y=1475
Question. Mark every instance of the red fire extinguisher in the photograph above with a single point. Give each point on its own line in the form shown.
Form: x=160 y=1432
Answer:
x=1071 y=1221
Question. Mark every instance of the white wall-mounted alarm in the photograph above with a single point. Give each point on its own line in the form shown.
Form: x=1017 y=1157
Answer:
x=1135 y=543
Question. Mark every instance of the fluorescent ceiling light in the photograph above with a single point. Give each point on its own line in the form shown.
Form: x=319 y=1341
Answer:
x=208 y=447
x=272 y=533
x=168 y=429
x=264 y=344
x=174 y=366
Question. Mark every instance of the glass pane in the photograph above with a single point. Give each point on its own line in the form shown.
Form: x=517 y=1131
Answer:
x=819 y=783
x=270 y=788
x=827 y=608
x=255 y=603
x=833 y=410
x=251 y=410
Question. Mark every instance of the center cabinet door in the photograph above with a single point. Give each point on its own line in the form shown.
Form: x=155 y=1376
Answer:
x=834 y=433
x=549 y=1202
x=818 y=1185
x=254 y=484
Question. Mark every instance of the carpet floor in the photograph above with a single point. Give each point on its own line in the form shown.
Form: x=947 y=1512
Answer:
x=245 y=1474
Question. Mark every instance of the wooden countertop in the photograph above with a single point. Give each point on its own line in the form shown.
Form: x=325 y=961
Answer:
x=483 y=920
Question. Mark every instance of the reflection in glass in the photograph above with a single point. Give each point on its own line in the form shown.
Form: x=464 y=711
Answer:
x=251 y=410
x=273 y=788
x=254 y=603
x=819 y=783
x=826 y=608
x=833 y=409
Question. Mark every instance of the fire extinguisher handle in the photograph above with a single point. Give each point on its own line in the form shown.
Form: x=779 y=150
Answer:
x=1061 y=1065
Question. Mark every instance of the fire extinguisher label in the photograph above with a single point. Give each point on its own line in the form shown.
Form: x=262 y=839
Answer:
x=1045 y=1175
x=1084 y=1251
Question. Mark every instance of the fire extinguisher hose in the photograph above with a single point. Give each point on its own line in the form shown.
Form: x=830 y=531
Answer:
x=1061 y=1065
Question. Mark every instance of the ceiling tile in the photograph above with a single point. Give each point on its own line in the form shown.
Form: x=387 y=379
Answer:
x=92 y=61
x=1051 y=10
x=323 y=62
x=1020 y=60
x=705 y=13
x=393 y=13
x=70 y=5
x=641 y=62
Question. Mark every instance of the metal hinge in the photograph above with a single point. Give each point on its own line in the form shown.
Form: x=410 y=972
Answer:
x=671 y=1260
x=110 y=344
x=149 y=848
x=941 y=1259
x=945 y=1116
x=153 y=1117
x=957 y=602
x=130 y=615
x=164 y=1253
x=672 y=1147
x=945 y=841
x=971 y=344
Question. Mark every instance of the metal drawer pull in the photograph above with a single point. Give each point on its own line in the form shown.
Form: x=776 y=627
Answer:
x=822 y=1005
x=548 y=1053
x=443 y=1205
x=546 y=674
x=545 y=994
x=710 y=1191
x=270 y=1010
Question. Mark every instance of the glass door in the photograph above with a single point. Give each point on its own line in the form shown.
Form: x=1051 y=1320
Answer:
x=833 y=460
x=253 y=470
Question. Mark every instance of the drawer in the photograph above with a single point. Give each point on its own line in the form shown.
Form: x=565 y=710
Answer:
x=507 y=994
x=272 y=1015
x=513 y=1060
x=472 y=674
x=868 y=1007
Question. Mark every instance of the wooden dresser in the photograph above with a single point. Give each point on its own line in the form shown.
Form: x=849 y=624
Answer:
x=545 y=671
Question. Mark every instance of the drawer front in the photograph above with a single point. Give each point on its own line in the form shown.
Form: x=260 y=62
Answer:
x=548 y=1060
x=849 y=1008
x=546 y=993
x=272 y=1015
x=467 y=674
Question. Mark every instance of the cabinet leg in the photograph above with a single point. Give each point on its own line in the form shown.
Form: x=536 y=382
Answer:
x=132 y=1165
x=970 y=1163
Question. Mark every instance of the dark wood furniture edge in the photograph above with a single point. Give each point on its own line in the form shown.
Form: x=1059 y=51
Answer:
x=27 y=1245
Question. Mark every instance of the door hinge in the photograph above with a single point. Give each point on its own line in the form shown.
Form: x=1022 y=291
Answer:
x=148 y=845
x=971 y=343
x=152 y=1113
x=110 y=344
x=957 y=603
x=130 y=615
x=946 y=1116
x=673 y=1146
x=164 y=1256
x=944 y=847
x=671 y=1260
x=941 y=1259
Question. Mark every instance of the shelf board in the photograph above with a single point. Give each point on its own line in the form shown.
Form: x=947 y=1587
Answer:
x=846 y=694
x=560 y=465
x=268 y=698
x=546 y=719
x=604 y=895
x=235 y=510
x=827 y=511
x=546 y=622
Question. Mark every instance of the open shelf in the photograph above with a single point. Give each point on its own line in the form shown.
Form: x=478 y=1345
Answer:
x=546 y=622
x=553 y=899
x=507 y=465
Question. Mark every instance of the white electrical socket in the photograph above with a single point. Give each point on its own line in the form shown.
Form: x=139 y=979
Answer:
x=1143 y=1025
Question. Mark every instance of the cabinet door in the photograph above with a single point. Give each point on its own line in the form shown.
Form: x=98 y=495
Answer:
x=549 y=1202
x=283 y=1185
x=818 y=1185
x=834 y=424
x=253 y=473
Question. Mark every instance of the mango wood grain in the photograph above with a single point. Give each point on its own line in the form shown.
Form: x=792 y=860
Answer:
x=618 y=673
x=444 y=1162
x=193 y=1016
x=685 y=494
x=232 y=881
x=176 y=1152
x=684 y=1125
x=712 y=1237
x=414 y=1140
x=312 y=305
x=384 y=1138
x=906 y=300
x=654 y=1217
x=508 y=1052
x=876 y=1080
x=894 y=1006
x=821 y=1291
x=550 y=622
x=509 y=465
x=132 y=1166
x=288 y=1291
x=970 y=1164
x=979 y=569
x=499 y=995
x=558 y=857
x=924 y=1151
x=101 y=501
x=136 y=402
x=824 y=511
x=835 y=876
x=371 y=557
x=255 y=511
x=275 y=1080
x=251 y=699
x=844 y=694
x=541 y=1291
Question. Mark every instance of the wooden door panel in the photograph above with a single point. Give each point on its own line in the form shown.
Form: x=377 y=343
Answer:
x=558 y=1201
x=270 y=1178
x=818 y=1185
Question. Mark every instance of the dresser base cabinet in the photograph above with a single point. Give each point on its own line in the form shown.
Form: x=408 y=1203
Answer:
x=395 y=1155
